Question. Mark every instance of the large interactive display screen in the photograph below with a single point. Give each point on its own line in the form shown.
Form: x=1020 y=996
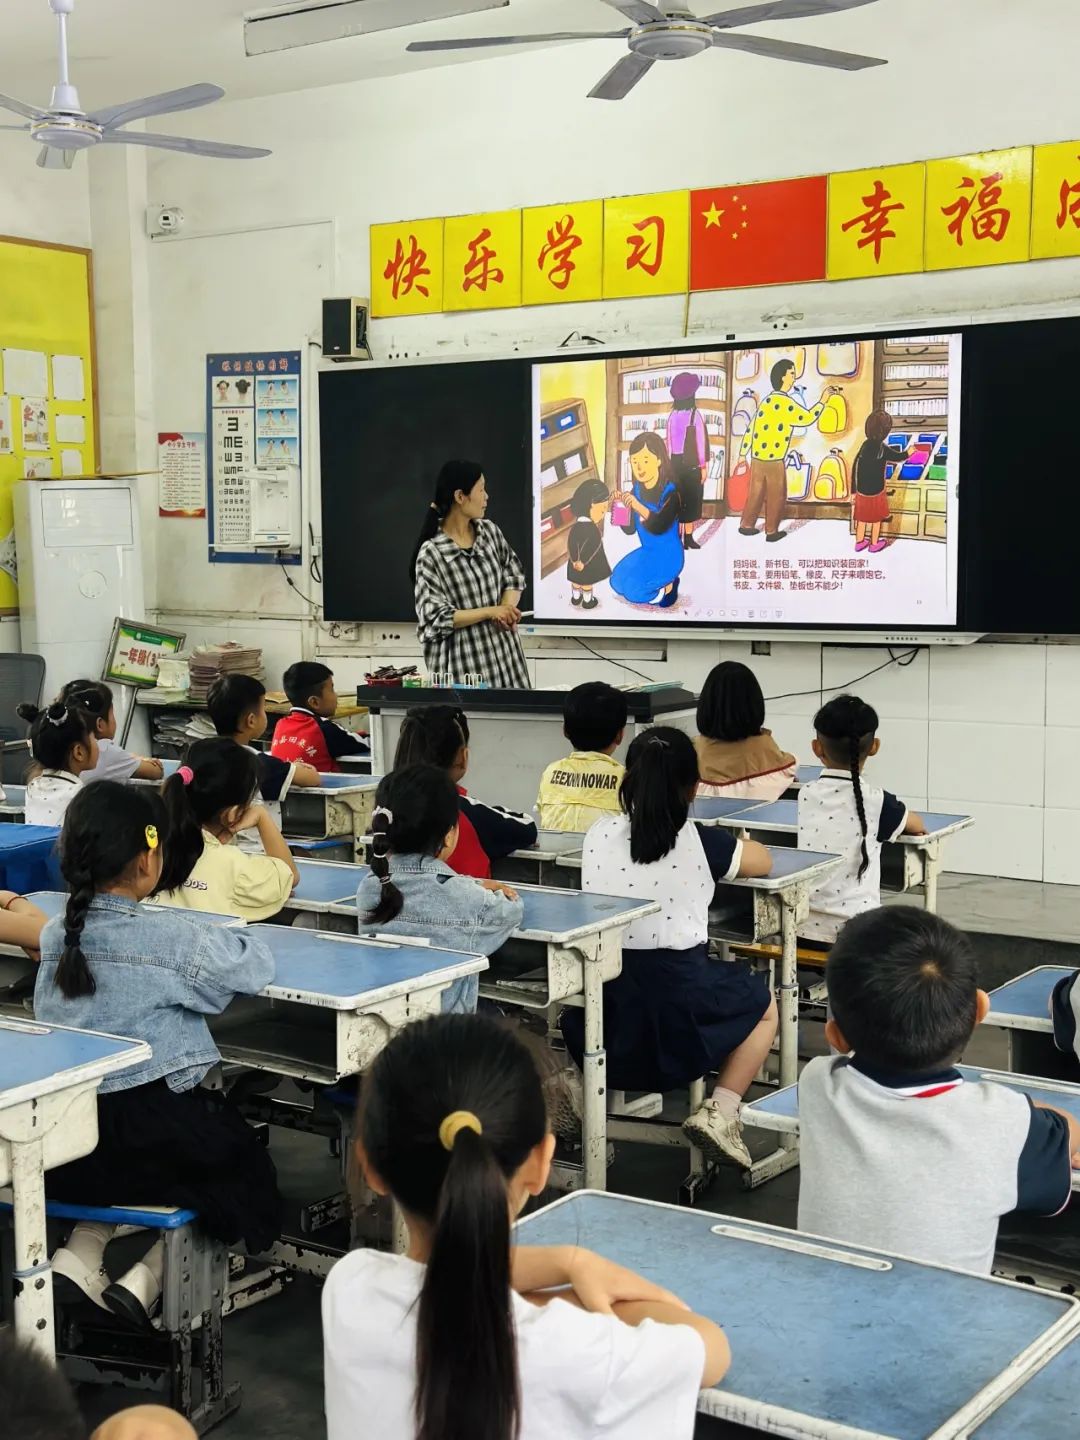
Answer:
x=797 y=484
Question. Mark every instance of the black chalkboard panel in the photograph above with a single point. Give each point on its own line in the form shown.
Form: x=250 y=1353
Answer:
x=385 y=434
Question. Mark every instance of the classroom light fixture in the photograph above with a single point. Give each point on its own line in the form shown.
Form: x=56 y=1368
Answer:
x=312 y=22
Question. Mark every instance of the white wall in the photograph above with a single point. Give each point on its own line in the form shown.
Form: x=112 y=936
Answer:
x=35 y=204
x=974 y=730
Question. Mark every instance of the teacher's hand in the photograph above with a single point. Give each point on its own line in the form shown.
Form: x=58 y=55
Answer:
x=505 y=617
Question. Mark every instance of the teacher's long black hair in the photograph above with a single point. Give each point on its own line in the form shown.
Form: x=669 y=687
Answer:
x=455 y=475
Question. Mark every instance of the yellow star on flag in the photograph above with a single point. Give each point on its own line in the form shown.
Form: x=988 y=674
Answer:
x=712 y=215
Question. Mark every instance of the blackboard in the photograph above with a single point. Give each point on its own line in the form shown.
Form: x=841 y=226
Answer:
x=385 y=434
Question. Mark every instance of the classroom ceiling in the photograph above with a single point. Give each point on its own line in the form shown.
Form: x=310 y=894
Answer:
x=121 y=48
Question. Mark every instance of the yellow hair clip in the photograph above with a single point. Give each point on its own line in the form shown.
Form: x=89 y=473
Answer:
x=151 y=837
x=454 y=1123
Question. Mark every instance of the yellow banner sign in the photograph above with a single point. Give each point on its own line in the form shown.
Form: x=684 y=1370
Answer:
x=407 y=268
x=978 y=209
x=562 y=253
x=482 y=261
x=647 y=244
x=876 y=221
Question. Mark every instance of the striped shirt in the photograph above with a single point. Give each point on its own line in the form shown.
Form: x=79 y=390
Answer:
x=449 y=578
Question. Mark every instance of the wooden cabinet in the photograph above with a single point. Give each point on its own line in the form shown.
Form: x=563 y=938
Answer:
x=566 y=460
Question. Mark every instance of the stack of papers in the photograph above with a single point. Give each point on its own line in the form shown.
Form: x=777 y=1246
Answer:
x=208 y=662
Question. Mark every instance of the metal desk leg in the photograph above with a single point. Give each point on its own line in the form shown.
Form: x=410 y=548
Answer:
x=33 y=1273
x=931 y=870
x=786 y=1155
x=594 y=1121
x=377 y=743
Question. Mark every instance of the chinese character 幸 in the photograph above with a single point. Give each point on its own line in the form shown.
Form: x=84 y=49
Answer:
x=876 y=226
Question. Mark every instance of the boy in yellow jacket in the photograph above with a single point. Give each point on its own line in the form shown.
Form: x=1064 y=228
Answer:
x=584 y=788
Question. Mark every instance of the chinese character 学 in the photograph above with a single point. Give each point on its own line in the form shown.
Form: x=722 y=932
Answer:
x=875 y=222
x=560 y=246
x=479 y=271
x=979 y=200
x=406 y=269
x=647 y=251
x=1069 y=196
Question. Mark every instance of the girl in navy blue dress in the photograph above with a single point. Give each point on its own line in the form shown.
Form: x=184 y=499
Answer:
x=675 y=1013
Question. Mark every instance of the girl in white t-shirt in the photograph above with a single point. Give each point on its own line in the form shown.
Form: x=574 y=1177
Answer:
x=210 y=799
x=675 y=1013
x=63 y=745
x=460 y=1339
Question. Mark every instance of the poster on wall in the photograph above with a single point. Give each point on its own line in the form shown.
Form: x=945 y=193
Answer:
x=5 y=425
x=807 y=484
x=253 y=424
x=35 y=423
x=182 y=475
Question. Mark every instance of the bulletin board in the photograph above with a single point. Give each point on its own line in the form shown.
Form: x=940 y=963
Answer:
x=47 y=350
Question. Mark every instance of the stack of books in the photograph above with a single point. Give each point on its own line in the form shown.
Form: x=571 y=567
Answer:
x=208 y=662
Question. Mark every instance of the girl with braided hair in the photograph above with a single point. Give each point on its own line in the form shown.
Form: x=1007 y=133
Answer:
x=64 y=747
x=841 y=814
x=412 y=890
x=112 y=963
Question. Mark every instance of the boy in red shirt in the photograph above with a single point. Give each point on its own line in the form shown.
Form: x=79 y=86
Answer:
x=307 y=735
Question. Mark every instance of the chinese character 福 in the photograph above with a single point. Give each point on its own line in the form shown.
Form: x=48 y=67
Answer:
x=990 y=220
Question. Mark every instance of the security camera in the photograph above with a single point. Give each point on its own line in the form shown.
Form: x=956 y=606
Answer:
x=163 y=220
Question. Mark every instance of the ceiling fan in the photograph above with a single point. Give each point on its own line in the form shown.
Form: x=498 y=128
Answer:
x=668 y=30
x=64 y=128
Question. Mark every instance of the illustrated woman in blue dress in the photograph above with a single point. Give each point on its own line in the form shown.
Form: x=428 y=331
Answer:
x=650 y=575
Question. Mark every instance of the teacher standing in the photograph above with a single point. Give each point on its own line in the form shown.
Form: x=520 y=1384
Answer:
x=467 y=584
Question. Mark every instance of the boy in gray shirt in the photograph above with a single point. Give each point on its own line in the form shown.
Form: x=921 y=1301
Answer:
x=898 y=1151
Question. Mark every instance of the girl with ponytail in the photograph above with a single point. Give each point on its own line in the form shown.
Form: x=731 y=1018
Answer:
x=208 y=802
x=461 y=1339
x=841 y=814
x=114 y=762
x=674 y=1015
x=64 y=747
x=112 y=963
x=412 y=890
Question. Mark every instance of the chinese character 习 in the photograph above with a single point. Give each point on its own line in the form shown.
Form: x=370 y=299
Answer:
x=406 y=268
x=875 y=222
x=989 y=219
x=560 y=246
x=479 y=271
x=646 y=251
x=1069 y=196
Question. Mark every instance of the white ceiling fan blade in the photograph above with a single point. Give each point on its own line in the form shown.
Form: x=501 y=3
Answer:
x=169 y=101
x=781 y=10
x=787 y=50
x=418 y=47
x=641 y=12
x=212 y=148
x=8 y=102
x=22 y=128
x=622 y=78
x=53 y=159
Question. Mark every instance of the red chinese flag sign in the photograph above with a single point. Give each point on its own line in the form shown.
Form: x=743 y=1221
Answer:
x=768 y=234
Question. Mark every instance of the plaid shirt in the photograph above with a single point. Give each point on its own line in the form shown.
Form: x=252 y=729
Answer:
x=449 y=578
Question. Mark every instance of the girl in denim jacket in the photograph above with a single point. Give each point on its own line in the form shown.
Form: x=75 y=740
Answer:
x=411 y=890
x=113 y=964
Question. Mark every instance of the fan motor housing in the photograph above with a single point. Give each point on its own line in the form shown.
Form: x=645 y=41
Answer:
x=671 y=39
x=70 y=134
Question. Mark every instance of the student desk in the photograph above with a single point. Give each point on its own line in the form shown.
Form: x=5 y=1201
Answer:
x=541 y=864
x=13 y=805
x=324 y=884
x=334 y=1002
x=28 y=857
x=780 y=1110
x=52 y=902
x=339 y=805
x=921 y=853
x=569 y=943
x=828 y=1342
x=1046 y=1406
x=49 y=1077
x=1022 y=1008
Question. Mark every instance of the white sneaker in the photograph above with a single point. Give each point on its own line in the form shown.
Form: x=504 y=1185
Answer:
x=719 y=1136
x=70 y=1267
x=135 y=1296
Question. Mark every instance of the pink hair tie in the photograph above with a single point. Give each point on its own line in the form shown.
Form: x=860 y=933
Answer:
x=186 y=774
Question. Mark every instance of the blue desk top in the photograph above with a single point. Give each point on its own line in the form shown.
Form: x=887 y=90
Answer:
x=1047 y=1407
x=788 y=867
x=783 y=815
x=709 y=807
x=28 y=837
x=349 y=783
x=340 y=972
x=53 y=902
x=563 y=915
x=169 y=767
x=323 y=884
x=832 y=1335
x=550 y=845
x=38 y=1059
x=1026 y=999
x=14 y=798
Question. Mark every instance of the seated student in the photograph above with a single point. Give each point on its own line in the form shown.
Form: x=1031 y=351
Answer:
x=674 y=1014
x=583 y=788
x=40 y=1403
x=209 y=801
x=21 y=922
x=738 y=758
x=114 y=964
x=64 y=746
x=897 y=1151
x=412 y=890
x=462 y=1337
x=841 y=814
x=439 y=735
x=114 y=762
x=237 y=706
x=1065 y=1013
x=308 y=732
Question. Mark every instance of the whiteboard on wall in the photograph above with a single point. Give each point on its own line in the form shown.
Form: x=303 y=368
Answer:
x=245 y=291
